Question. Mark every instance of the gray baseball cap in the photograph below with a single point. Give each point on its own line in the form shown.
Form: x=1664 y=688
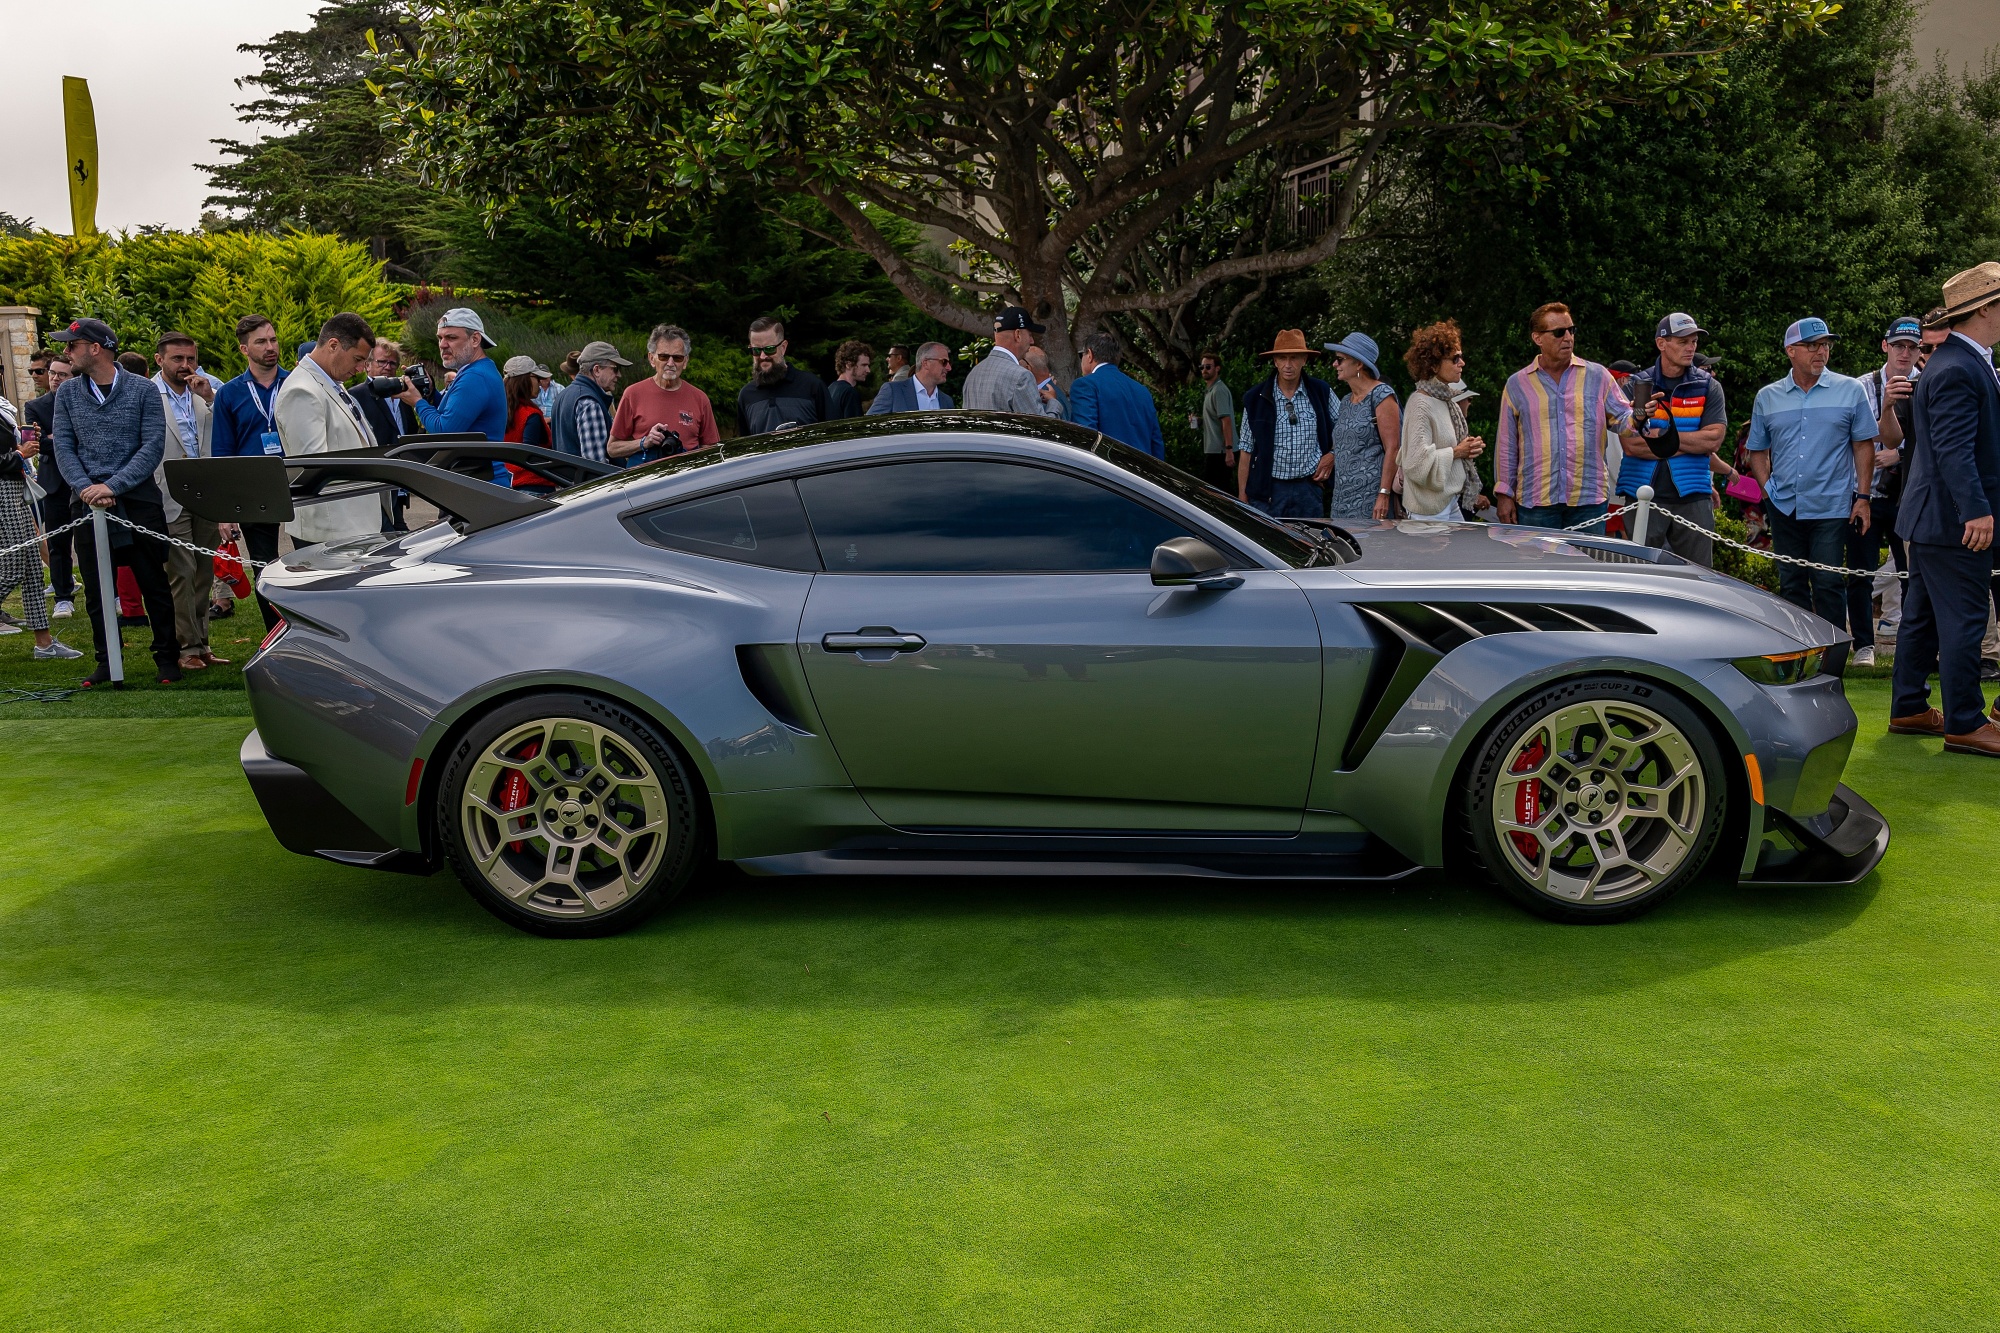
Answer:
x=462 y=317
x=593 y=353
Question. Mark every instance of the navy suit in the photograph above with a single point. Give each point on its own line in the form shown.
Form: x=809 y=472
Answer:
x=901 y=396
x=1111 y=401
x=1953 y=476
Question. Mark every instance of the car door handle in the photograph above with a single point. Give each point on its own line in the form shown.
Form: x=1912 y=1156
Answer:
x=873 y=638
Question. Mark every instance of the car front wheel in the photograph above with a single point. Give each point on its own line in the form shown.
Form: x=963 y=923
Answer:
x=1596 y=799
x=565 y=815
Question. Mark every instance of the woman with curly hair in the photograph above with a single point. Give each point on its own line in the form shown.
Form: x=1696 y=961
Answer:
x=1437 y=452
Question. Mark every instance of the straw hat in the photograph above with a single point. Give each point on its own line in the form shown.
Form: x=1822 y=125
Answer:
x=1290 y=342
x=1966 y=292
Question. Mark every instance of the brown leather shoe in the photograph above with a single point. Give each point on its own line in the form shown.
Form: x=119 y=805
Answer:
x=1984 y=741
x=212 y=659
x=193 y=662
x=1930 y=722
x=1995 y=714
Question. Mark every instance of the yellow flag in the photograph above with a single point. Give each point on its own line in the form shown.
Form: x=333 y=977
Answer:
x=80 y=136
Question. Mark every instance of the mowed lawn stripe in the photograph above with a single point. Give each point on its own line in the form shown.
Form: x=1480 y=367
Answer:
x=246 y=1089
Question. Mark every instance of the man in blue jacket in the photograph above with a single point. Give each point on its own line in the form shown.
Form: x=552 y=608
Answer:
x=1105 y=398
x=923 y=390
x=1946 y=519
x=1289 y=419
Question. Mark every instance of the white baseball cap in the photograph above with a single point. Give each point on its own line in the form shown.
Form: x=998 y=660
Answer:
x=462 y=317
x=518 y=365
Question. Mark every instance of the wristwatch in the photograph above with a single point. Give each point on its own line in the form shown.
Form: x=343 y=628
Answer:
x=1383 y=491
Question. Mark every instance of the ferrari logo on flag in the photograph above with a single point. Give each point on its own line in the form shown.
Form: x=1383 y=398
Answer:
x=80 y=138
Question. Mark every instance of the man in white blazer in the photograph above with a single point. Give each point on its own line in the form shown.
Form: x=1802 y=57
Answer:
x=316 y=415
x=187 y=397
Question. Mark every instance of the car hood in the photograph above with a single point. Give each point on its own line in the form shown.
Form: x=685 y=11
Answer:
x=1417 y=553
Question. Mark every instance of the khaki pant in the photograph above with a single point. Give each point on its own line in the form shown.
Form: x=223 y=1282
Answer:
x=191 y=576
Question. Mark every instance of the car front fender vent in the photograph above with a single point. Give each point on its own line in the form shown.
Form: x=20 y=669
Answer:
x=1412 y=637
x=1444 y=626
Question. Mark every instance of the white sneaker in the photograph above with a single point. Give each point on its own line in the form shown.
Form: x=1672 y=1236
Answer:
x=6 y=628
x=63 y=611
x=57 y=651
x=1864 y=656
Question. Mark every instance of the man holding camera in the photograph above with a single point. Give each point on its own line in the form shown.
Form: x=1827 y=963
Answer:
x=1680 y=421
x=476 y=402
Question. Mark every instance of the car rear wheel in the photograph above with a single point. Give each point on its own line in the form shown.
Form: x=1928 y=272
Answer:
x=565 y=815
x=1596 y=799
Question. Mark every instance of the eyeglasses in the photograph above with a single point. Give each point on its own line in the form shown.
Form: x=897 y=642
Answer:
x=1566 y=331
x=941 y=360
x=766 y=353
x=665 y=357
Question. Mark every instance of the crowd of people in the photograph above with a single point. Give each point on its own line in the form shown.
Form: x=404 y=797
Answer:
x=1828 y=461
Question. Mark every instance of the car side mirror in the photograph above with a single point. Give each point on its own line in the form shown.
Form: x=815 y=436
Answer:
x=1189 y=562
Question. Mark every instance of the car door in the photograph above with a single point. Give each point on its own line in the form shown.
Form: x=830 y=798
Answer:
x=988 y=651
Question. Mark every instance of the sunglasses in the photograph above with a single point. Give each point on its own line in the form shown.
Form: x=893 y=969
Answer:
x=1566 y=331
x=1456 y=356
x=1291 y=412
x=764 y=353
x=664 y=357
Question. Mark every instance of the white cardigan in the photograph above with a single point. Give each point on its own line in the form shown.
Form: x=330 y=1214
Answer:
x=1432 y=478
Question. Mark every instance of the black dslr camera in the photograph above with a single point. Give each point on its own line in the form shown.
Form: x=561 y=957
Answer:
x=388 y=386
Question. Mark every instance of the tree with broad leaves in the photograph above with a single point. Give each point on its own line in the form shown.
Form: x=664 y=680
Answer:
x=1103 y=164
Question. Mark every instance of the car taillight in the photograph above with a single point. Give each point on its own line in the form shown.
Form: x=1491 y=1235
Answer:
x=276 y=630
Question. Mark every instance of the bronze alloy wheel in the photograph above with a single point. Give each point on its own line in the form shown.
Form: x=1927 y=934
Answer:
x=565 y=815
x=1596 y=799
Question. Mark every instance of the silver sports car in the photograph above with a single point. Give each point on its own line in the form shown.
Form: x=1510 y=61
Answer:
x=974 y=644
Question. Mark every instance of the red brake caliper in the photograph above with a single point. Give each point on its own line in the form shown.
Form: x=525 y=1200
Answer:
x=515 y=793
x=1528 y=800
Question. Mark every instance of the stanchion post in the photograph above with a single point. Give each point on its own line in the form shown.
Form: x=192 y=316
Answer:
x=107 y=595
x=1645 y=515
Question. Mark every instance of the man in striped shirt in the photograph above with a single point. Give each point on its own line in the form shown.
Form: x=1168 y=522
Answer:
x=1548 y=466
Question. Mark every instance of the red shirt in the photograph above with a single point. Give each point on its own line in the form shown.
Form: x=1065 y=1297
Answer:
x=685 y=411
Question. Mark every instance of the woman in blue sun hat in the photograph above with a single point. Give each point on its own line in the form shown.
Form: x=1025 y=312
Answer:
x=1363 y=464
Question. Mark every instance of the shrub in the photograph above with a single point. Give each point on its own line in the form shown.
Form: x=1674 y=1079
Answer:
x=145 y=283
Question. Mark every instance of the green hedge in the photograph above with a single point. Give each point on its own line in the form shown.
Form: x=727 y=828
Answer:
x=146 y=283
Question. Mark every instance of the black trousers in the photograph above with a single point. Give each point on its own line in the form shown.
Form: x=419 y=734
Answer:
x=62 y=566
x=1864 y=551
x=1821 y=540
x=147 y=559
x=1944 y=618
x=260 y=543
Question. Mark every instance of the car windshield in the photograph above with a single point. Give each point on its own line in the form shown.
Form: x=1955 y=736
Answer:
x=1304 y=546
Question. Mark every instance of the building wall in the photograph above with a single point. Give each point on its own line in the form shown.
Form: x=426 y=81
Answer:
x=1963 y=31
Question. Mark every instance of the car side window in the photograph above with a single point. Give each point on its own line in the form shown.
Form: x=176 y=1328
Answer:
x=972 y=516
x=754 y=525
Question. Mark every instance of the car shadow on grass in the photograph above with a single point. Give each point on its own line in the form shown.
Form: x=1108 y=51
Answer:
x=246 y=923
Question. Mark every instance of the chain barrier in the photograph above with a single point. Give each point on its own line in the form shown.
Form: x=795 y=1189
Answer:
x=75 y=523
x=1745 y=547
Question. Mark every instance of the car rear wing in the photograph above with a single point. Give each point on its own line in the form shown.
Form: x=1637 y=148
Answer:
x=449 y=471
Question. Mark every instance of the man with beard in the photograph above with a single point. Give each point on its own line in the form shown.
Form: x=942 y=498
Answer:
x=777 y=394
x=476 y=402
x=246 y=424
x=663 y=415
x=188 y=400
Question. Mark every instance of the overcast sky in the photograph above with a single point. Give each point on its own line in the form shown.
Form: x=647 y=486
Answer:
x=162 y=80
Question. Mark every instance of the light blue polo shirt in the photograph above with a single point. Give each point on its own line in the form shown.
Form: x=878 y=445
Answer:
x=1810 y=433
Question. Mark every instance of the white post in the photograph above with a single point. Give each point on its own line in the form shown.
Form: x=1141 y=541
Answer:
x=1645 y=515
x=107 y=594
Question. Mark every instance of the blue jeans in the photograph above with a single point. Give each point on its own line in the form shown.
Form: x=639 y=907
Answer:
x=1563 y=516
x=1304 y=498
x=1823 y=540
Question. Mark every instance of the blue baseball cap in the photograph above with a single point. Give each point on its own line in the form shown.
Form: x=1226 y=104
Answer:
x=1808 y=330
x=1908 y=329
x=1361 y=347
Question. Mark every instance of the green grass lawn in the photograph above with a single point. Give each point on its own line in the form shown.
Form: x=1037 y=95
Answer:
x=243 y=1089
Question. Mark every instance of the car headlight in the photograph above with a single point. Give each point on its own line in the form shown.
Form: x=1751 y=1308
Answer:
x=1783 y=668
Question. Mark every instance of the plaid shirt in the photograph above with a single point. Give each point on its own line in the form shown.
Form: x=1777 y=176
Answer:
x=1551 y=447
x=1295 y=441
x=593 y=430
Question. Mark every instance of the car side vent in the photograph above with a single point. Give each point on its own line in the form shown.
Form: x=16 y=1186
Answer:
x=1446 y=625
x=768 y=669
x=1625 y=553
